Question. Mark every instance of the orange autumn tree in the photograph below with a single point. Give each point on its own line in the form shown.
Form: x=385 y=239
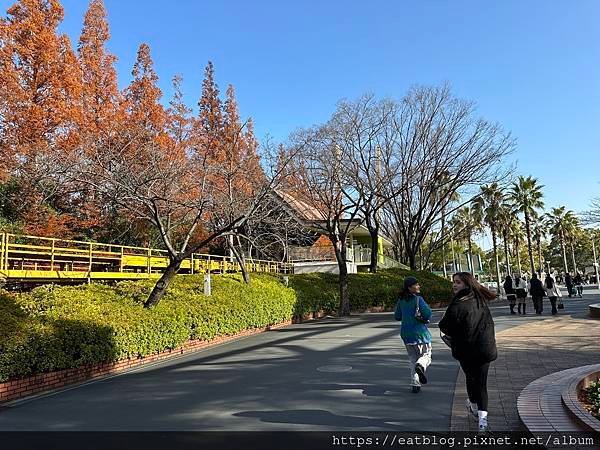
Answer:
x=160 y=170
x=100 y=113
x=231 y=149
x=39 y=91
x=240 y=174
x=100 y=93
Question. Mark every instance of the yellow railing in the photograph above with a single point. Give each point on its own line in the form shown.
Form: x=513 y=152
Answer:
x=33 y=257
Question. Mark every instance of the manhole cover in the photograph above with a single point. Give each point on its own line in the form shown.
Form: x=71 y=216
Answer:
x=334 y=368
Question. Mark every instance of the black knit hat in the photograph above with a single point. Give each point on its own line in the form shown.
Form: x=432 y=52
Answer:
x=409 y=281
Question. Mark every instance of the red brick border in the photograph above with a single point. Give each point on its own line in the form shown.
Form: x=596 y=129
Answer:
x=15 y=389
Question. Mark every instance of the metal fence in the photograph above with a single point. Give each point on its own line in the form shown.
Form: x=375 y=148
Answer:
x=24 y=257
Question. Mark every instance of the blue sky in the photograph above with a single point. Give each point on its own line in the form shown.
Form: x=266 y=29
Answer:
x=532 y=66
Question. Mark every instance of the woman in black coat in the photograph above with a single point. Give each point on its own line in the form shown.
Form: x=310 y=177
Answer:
x=469 y=325
x=509 y=290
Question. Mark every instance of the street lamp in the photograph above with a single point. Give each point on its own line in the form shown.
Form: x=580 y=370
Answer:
x=595 y=262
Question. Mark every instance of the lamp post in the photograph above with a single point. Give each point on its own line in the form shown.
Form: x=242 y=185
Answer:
x=595 y=262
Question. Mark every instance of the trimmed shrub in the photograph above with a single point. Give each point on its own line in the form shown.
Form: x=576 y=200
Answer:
x=53 y=328
x=320 y=291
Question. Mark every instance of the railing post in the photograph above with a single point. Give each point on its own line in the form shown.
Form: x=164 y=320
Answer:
x=192 y=264
x=90 y=255
x=121 y=259
x=52 y=255
x=2 y=250
x=6 y=238
x=149 y=259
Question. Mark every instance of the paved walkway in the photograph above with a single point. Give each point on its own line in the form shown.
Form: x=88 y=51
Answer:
x=348 y=374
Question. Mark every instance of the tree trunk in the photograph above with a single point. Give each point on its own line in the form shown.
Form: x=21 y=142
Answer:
x=455 y=267
x=241 y=260
x=564 y=249
x=374 y=232
x=412 y=259
x=539 y=248
x=471 y=257
x=443 y=244
x=340 y=254
x=161 y=286
x=518 y=257
x=529 y=248
x=497 y=261
x=506 y=257
x=573 y=256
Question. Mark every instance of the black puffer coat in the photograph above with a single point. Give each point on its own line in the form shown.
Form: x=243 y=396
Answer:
x=469 y=324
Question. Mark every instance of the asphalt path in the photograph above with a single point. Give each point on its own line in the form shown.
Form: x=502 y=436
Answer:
x=332 y=374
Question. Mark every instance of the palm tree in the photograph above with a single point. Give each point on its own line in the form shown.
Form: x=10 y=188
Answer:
x=505 y=219
x=526 y=194
x=516 y=235
x=467 y=223
x=561 y=221
x=487 y=206
x=572 y=233
x=539 y=231
x=453 y=198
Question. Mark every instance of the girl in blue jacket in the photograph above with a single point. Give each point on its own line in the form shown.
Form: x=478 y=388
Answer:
x=414 y=332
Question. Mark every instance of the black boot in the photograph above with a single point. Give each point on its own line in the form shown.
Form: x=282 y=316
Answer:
x=512 y=309
x=519 y=308
x=524 y=308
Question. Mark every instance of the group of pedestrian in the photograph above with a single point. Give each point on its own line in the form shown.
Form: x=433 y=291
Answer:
x=574 y=285
x=517 y=289
x=468 y=329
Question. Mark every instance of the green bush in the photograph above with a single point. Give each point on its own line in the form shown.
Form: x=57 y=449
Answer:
x=320 y=291
x=52 y=328
x=592 y=393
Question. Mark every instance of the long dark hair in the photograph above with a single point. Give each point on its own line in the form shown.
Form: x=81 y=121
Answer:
x=549 y=282
x=479 y=291
x=508 y=284
x=406 y=294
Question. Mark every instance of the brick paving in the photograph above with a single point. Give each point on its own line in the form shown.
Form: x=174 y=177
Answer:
x=535 y=347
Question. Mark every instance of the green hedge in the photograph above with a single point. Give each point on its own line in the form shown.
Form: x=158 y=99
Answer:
x=52 y=328
x=320 y=291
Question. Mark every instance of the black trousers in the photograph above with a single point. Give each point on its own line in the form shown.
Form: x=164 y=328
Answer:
x=476 y=375
x=538 y=303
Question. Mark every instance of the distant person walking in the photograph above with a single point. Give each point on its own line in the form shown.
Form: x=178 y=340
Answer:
x=415 y=313
x=552 y=292
x=569 y=283
x=537 y=291
x=578 y=282
x=469 y=325
x=521 y=292
x=510 y=293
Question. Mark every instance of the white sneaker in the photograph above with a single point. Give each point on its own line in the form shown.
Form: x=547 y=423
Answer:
x=470 y=410
x=483 y=425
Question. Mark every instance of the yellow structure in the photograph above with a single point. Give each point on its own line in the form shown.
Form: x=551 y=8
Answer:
x=34 y=258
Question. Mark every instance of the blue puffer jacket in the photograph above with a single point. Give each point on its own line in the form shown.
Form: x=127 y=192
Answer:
x=412 y=331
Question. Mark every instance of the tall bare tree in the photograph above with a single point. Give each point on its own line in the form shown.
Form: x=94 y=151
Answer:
x=324 y=179
x=443 y=149
x=364 y=129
